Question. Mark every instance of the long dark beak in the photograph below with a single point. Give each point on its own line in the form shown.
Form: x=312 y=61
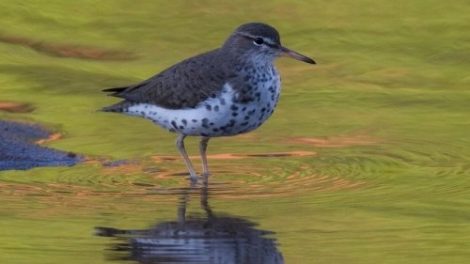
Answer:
x=295 y=55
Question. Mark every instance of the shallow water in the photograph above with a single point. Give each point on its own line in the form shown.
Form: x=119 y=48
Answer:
x=365 y=160
x=211 y=237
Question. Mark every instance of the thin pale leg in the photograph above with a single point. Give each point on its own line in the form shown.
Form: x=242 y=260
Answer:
x=184 y=154
x=203 y=149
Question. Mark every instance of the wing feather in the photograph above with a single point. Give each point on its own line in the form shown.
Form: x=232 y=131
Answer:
x=183 y=85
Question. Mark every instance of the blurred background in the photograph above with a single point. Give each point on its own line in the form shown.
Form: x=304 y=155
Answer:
x=365 y=160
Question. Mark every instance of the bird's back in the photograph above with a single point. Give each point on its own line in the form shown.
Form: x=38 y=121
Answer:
x=183 y=85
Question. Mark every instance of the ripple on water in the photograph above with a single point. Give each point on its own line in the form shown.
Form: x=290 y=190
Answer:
x=67 y=50
x=336 y=141
x=15 y=107
x=256 y=175
x=253 y=178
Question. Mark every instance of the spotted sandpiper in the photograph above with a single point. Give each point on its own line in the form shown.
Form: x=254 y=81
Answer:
x=224 y=92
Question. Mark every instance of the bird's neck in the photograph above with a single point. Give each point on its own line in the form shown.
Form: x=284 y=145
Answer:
x=255 y=62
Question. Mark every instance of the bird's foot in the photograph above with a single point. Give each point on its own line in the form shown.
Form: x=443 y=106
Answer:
x=205 y=177
x=193 y=178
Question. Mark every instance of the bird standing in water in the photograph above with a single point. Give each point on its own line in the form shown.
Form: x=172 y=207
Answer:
x=224 y=92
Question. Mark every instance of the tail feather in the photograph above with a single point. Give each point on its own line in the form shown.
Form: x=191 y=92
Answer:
x=120 y=107
x=115 y=91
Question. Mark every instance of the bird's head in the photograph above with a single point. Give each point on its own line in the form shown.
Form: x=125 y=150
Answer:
x=260 y=42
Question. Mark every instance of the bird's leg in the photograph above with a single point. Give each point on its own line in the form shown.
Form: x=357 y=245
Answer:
x=202 y=149
x=205 y=201
x=182 y=208
x=182 y=150
x=183 y=203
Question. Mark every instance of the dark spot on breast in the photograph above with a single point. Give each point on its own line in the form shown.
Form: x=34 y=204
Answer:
x=234 y=114
x=205 y=123
x=173 y=123
x=194 y=121
x=244 y=124
x=211 y=123
x=263 y=109
x=222 y=101
x=181 y=127
x=184 y=121
x=234 y=107
x=215 y=130
x=208 y=107
x=204 y=134
x=247 y=117
x=216 y=108
x=244 y=109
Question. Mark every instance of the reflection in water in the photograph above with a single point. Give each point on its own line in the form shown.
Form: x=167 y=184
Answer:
x=196 y=239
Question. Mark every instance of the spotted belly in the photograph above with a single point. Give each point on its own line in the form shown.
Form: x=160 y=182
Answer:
x=214 y=117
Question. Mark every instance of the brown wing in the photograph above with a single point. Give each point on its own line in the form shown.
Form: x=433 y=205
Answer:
x=183 y=85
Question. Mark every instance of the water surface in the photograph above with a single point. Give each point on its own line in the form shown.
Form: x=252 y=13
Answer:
x=365 y=160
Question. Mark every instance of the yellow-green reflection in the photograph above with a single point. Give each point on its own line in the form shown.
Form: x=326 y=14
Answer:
x=384 y=116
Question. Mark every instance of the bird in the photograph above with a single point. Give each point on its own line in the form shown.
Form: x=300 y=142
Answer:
x=227 y=91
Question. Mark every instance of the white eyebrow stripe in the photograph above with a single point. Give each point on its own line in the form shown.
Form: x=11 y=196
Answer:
x=268 y=41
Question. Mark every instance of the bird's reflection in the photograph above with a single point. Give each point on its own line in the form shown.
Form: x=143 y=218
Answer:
x=210 y=238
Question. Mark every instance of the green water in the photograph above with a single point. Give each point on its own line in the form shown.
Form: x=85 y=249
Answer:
x=383 y=120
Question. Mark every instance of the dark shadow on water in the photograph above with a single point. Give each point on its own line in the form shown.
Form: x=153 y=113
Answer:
x=211 y=238
x=19 y=150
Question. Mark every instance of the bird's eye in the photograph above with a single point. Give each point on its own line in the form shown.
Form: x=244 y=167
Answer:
x=258 y=41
